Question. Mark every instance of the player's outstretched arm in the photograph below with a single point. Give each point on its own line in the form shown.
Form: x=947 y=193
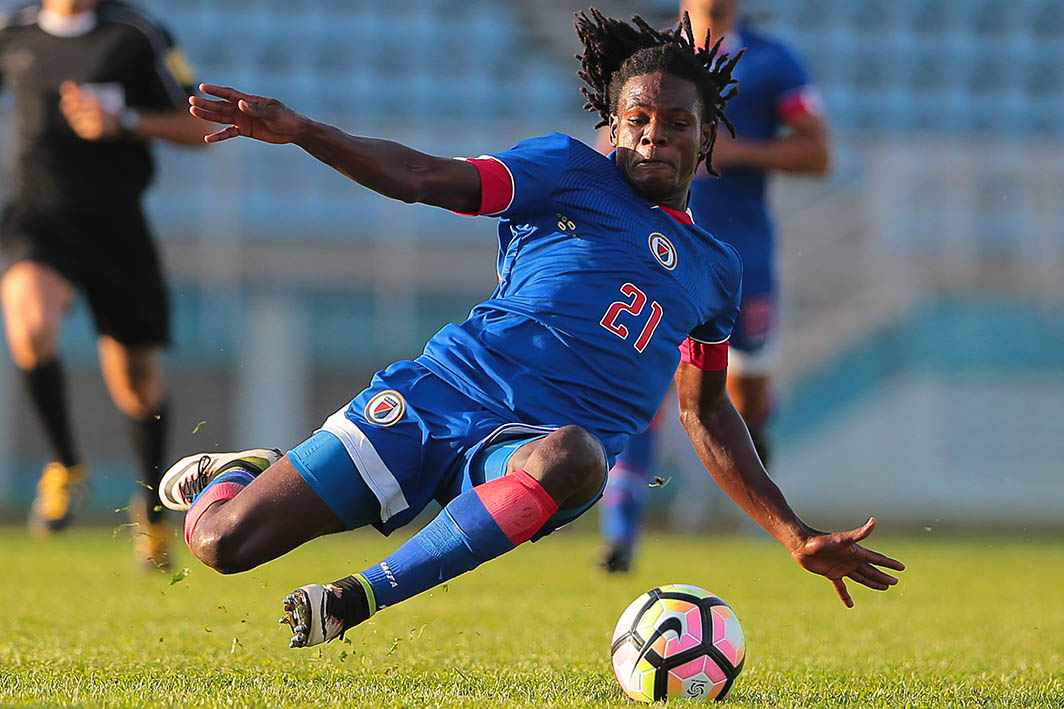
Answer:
x=383 y=166
x=723 y=443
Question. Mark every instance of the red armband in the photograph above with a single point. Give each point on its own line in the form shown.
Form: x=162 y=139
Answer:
x=804 y=101
x=496 y=185
x=709 y=357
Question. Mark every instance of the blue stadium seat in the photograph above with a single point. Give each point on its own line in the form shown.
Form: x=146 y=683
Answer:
x=938 y=67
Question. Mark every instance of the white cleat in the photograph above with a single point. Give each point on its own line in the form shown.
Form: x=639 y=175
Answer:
x=311 y=611
x=189 y=476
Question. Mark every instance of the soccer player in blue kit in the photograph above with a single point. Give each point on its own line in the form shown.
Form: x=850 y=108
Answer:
x=511 y=419
x=779 y=127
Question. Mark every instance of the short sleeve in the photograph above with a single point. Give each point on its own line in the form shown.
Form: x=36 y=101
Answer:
x=707 y=345
x=795 y=94
x=522 y=179
x=166 y=79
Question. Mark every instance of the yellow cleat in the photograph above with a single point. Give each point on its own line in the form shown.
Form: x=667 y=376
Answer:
x=60 y=492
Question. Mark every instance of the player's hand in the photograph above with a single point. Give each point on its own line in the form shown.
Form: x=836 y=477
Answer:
x=258 y=117
x=86 y=116
x=838 y=556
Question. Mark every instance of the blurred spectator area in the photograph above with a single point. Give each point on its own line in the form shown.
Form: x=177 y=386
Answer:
x=947 y=115
x=291 y=283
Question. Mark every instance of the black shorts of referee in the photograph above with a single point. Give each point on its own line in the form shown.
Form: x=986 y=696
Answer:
x=109 y=256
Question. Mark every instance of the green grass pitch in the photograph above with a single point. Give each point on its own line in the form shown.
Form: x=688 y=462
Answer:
x=975 y=622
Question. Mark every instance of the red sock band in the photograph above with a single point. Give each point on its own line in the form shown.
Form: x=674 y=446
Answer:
x=518 y=504
x=225 y=490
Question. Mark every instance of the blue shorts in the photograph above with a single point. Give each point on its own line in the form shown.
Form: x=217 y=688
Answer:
x=408 y=439
x=756 y=323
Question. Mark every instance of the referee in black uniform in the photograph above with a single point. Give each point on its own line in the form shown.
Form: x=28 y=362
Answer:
x=93 y=82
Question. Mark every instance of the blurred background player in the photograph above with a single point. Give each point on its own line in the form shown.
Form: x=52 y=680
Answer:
x=779 y=127
x=93 y=83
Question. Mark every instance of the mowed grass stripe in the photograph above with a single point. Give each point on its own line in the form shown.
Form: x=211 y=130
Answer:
x=975 y=622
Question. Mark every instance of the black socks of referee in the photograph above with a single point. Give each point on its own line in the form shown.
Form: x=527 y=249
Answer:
x=149 y=439
x=46 y=386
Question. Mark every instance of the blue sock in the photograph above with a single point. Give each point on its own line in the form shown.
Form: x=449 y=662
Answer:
x=477 y=526
x=621 y=511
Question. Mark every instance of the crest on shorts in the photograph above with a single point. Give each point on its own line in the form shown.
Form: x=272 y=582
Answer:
x=385 y=408
x=663 y=250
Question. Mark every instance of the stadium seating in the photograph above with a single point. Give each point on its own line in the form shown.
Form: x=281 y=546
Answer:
x=926 y=67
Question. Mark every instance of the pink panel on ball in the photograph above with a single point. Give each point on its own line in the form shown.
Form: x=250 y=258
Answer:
x=728 y=635
x=690 y=669
x=698 y=679
x=691 y=636
x=714 y=672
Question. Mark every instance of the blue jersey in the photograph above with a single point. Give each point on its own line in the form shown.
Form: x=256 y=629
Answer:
x=598 y=289
x=774 y=86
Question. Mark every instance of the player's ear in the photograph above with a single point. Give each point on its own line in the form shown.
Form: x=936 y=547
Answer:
x=613 y=129
x=709 y=136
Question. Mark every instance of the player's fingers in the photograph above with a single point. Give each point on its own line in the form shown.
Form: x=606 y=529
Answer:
x=81 y=119
x=223 y=134
x=866 y=581
x=877 y=575
x=212 y=104
x=70 y=103
x=227 y=93
x=68 y=88
x=874 y=557
x=207 y=115
x=856 y=535
x=840 y=588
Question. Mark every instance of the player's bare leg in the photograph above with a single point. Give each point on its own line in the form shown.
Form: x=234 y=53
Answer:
x=134 y=379
x=35 y=300
x=752 y=397
x=564 y=470
x=242 y=513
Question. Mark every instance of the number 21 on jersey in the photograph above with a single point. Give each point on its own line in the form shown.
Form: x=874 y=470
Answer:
x=637 y=301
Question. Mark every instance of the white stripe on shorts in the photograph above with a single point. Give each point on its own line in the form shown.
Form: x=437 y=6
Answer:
x=509 y=431
x=368 y=462
x=761 y=362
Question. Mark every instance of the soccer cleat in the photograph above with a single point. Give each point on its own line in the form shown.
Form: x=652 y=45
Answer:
x=151 y=546
x=315 y=614
x=151 y=540
x=616 y=558
x=189 y=476
x=60 y=492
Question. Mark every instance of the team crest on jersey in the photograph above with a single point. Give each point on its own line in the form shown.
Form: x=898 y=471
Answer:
x=663 y=250
x=385 y=408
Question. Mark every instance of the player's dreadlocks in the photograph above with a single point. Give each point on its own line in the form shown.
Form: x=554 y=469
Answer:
x=615 y=51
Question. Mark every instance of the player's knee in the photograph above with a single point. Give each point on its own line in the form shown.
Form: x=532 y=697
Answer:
x=136 y=402
x=218 y=549
x=579 y=466
x=31 y=345
x=136 y=390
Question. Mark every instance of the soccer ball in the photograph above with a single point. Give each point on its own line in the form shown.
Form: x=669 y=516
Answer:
x=677 y=641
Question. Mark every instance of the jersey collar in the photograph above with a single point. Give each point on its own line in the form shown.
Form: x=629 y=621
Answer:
x=61 y=26
x=684 y=217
